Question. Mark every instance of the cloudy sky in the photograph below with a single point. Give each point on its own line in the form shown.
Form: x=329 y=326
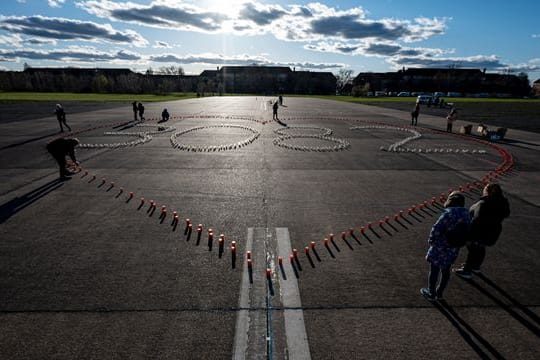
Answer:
x=374 y=35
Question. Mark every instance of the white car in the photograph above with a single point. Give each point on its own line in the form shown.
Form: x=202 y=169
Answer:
x=424 y=99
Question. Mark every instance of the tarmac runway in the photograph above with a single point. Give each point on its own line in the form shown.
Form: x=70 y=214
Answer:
x=89 y=271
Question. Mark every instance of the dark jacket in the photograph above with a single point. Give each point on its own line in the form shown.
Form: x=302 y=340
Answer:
x=60 y=113
x=62 y=147
x=487 y=216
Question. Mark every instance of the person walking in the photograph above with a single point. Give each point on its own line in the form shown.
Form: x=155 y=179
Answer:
x=452 y=116
x=486 y=226
x=59 y=149
x=135 y=110
x=140 y=108
x=414 y=114
x=61 y=117
x=441 y=254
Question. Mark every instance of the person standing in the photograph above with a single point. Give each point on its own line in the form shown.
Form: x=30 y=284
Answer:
x=275 y=115
x=452 y=116
x=59 y=149
x=414 y=114
x=61 y=117
x=135 y=110
x=441 y=255
x=487 y=216
x=140 y=108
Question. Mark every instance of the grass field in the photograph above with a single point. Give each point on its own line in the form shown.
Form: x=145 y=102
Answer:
x=61 y=97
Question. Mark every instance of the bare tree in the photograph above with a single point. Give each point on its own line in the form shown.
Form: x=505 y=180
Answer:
x=171 y=70
x=344 y=79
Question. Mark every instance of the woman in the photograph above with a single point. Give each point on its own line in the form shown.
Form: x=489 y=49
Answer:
x=441 y=255
x=486 y=226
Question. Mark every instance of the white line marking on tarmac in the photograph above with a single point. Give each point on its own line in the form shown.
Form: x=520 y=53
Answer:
x=252 y=340
x=297 y=341
x=250 y=335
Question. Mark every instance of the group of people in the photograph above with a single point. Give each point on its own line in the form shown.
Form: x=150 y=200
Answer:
x=450 y=118
x=138 y=108
x=479 y=227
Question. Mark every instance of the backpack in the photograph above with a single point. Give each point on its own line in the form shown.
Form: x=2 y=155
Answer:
x=458 y=235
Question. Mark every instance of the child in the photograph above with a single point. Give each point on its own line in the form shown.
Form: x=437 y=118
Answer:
x=61 y=117
x=440 y=254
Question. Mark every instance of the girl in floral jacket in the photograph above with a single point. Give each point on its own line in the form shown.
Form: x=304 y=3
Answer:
x=440 y=254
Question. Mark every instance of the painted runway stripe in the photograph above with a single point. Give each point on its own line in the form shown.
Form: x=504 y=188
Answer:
x=254 y=323
x=250 y=335
x=295 y=330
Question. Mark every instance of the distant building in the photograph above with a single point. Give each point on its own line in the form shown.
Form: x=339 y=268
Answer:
x=268 y=80
x=536 y=88
x=466 y=81
x=227 y=79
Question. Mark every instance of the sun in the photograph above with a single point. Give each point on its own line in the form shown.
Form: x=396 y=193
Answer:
x=230 y=8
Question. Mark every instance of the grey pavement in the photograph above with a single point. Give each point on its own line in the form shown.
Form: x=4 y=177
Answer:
x=85 y=272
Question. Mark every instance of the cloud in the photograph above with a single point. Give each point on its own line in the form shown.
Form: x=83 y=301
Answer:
x=240 y=60
x=161 y=45
x=374 y=48
x=308 y=23
x=163 y=14
x=535 y=36
x=56 y=3
x=76 y=54
x=350 y=27
x=260 y=14
x=14 y=40
x=40 y=41
x=479 y=61
x=90 y=55
x=67 y=29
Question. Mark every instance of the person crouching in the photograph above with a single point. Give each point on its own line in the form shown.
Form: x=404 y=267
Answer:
x=59 y=149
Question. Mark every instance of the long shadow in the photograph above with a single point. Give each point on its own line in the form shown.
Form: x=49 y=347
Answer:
x=17 y=204
x=525 y=322
x=513 y=300
x=467 y=332
x=28 y=141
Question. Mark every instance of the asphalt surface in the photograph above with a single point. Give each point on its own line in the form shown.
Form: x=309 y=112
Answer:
x=87 y=272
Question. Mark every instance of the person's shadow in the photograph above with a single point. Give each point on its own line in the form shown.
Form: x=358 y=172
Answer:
x=470 y=335
x=528 y=318
x=18 y=203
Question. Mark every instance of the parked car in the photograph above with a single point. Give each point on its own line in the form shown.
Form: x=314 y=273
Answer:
x=404 y=93
x=380 y=93
x=424 y=99
x=454 y=94
x=438 y=94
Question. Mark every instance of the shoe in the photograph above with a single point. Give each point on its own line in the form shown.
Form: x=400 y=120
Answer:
x=427 y=294
x=463 y=273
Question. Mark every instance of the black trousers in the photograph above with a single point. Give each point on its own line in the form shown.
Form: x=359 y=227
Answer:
x=475 y=257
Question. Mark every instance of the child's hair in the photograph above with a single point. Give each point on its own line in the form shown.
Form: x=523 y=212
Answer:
x=455 y=199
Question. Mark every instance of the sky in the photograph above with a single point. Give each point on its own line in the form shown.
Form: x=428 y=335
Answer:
x=362 y=36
